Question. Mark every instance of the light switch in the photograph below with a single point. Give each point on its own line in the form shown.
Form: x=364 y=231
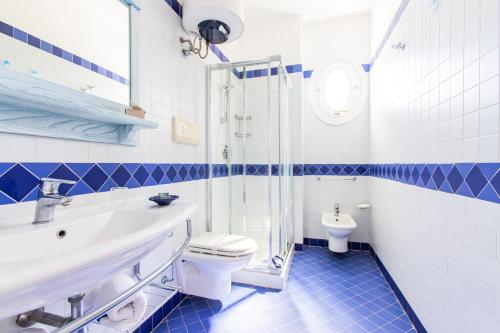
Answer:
x=185 y=131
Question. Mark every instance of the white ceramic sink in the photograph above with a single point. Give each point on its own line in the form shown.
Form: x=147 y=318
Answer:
x=40 y=264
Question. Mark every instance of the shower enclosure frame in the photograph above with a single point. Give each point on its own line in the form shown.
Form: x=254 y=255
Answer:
x=230 y=67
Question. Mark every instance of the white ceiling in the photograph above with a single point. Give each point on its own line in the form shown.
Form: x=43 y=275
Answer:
x=312 y=10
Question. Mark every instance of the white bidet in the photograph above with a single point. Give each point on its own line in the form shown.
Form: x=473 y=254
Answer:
x=338 y=227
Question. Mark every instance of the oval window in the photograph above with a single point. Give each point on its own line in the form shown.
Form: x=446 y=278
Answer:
x=336 y=92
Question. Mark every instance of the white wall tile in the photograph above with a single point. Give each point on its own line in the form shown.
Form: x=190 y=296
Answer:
x=490 y=26
x=443 y=250
x=489 y=120
x=489 y=148
x=471 y=125
x=489 y=92
x=489 y=65
x=471 y=100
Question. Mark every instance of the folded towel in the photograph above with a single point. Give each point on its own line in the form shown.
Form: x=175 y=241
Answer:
x=34 y=330
x=125 y=315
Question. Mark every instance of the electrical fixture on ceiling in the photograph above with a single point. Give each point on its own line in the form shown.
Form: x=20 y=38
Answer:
x=210 y=22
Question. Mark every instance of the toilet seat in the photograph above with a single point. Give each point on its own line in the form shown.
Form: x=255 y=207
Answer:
x=208 y=261
x=223 y=245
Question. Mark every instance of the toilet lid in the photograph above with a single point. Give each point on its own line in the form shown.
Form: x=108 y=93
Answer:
x=222 y=244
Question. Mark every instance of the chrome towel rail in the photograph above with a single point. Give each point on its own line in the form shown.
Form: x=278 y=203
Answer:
x=353 y=179
x=86 y=319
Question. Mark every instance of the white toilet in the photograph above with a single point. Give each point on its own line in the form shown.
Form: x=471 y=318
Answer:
x=208 y=261
x=338 y=227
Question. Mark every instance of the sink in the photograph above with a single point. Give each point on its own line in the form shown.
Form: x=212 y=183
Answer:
x=40 y=264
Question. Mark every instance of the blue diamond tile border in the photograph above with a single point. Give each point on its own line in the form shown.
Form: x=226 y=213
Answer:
x=18 y=181
x=474 y=180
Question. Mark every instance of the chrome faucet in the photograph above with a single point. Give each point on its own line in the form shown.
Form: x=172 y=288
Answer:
x=337 y=209
x=49 y=198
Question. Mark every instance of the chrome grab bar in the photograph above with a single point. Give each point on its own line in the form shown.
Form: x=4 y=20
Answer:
x=353 y=179
x=86 y=319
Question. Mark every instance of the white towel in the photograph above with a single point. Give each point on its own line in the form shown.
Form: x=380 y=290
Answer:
x=125 y=315
x=34 y=330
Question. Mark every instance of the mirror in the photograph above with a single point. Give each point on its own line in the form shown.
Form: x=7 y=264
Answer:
x=80 y=44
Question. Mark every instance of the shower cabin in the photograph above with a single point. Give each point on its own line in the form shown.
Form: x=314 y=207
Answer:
x=250 y=164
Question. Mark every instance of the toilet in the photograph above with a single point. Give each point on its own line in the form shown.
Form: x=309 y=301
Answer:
x=207 y=263
x=338 y=227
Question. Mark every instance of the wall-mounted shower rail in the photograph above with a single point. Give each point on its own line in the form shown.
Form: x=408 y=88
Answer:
x=86 y=319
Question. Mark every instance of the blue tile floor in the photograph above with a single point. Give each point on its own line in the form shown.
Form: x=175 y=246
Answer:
x=325 y=293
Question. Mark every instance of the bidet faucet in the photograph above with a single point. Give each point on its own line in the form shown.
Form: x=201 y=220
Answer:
x=337 y=209
x=49 y=198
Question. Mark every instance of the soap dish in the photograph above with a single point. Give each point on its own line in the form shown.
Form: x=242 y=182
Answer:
x=164 y=199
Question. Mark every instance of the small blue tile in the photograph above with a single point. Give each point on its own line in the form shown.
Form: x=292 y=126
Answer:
x=18 y=182
x=366 y=67
x=63 y=172
x=85 y=63
x=158 y=174
x=181 y=171
x=33 y=41
x=6 y=29
x=348 y=170
x=495 y=182
x=20 y=35
x=476 y=180
x=80 y=188
x=455 y=179
x=488 y=193
x=141 y=175
x=5 y=200
x=95 y=178
x=80 y=169
x=47 y=47
x=307 y=74
x=6 y=166
x=121 y=176
x=108 y=185
x=438 y=177
x=67 y=55
x=426 y=175
x=297 y=68
x=147 y=326
x=109 y=168
x=132 y=183
x=157 y=317
x=77 y=60
x=101 y=70
x=57 y=51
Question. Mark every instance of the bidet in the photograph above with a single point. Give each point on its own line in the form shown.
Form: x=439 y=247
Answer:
x=339 y=227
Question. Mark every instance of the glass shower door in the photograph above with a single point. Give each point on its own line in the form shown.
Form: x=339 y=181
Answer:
x=249 y=140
